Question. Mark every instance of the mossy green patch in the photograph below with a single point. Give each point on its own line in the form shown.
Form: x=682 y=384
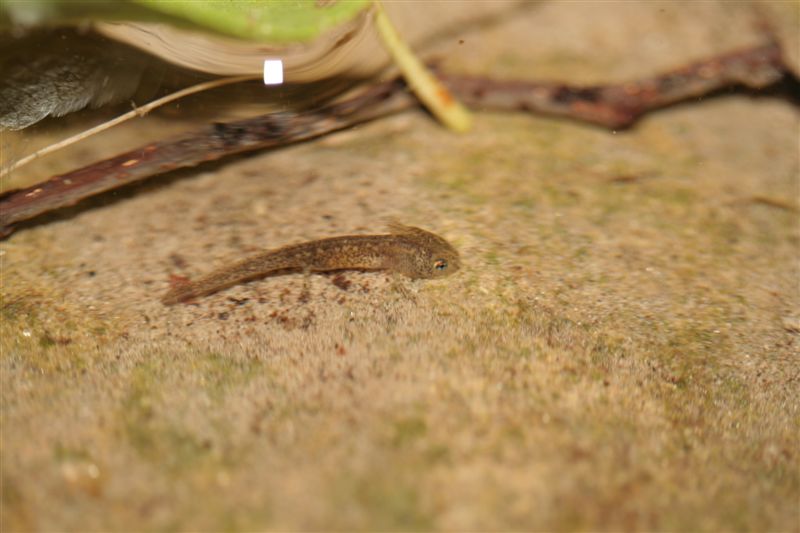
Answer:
x=62 y=453
x=408 y=430
x=222 y=374
x=389 y=498
x=147 y=422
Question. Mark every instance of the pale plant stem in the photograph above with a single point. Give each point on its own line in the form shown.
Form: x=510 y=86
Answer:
x=431 y=92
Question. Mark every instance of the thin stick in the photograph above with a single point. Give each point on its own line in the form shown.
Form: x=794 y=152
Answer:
x=138 y=112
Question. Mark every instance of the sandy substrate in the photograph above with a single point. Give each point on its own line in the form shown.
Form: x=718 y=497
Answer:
x=619 y=350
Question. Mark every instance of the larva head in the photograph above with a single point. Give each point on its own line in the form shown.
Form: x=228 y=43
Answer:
x=425 y=255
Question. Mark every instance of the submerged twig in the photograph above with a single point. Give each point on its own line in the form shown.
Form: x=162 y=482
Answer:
x=620 y=105
x=614 y=106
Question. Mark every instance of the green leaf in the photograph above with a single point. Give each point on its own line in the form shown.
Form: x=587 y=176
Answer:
x=270 y=21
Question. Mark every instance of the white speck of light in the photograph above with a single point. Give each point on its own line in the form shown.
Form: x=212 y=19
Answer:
x=273 y=72
x=26 y=333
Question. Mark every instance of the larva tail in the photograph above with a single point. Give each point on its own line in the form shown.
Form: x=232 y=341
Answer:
x=179 y=294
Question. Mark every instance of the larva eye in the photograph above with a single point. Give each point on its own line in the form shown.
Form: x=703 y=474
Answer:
x=440 y=264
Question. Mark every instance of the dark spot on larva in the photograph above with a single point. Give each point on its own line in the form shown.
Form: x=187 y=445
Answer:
x=177 y=261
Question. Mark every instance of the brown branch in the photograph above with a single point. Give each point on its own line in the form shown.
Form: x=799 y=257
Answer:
x=613 y=106
x=620 y=105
